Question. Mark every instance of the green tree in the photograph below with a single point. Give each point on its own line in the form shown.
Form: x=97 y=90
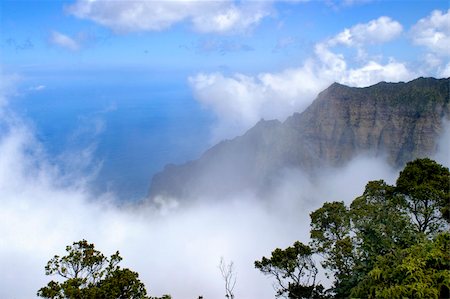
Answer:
x=379 y=223
x=424 y=186
x=87 y=274
x=383 y=221
x=420 y=271
x=330 y=237
x=294 y=270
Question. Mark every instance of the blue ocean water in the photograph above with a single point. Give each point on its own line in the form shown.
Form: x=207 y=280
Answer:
x=134 y=124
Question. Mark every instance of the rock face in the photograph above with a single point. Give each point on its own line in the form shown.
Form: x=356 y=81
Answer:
x=400 y=121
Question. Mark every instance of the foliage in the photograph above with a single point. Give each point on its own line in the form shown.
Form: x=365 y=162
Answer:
x=384 y=221
x=330 y=236
x=420 y=271
x=89 y=274
x=294 y=271
x=424 y=185
x=379 y=223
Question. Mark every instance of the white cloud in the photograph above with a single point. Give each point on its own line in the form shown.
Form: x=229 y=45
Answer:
x=176 y=252
x=444 y=72
x=373 y=72
x=7 y=87
x=64 y=41
x=205 y=16
x=240 y=100
x=433 y=33
x=442 y=155
x=377 y=31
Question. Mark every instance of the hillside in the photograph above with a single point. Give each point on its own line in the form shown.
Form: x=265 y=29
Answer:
x=400 y=121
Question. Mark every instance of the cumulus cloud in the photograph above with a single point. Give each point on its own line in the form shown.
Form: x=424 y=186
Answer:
x=205 y=16
x=64 y=41
x=433 y=33
x=373 y=72
x=377 y=31
x=240 y=100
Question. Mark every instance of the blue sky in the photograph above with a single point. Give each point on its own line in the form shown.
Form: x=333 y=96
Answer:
x=267 y=36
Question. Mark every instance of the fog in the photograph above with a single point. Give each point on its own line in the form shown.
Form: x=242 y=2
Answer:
x=176 y=248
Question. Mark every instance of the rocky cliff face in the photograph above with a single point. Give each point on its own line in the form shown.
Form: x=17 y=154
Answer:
x=400 y=121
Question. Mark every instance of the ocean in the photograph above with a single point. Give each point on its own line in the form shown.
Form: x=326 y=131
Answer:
x=129 y=128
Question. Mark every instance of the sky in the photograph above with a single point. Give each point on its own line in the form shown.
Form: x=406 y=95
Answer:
x=241 y=60
x=88 y=88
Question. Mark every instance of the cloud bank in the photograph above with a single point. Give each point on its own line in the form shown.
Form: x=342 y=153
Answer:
x=176 y=250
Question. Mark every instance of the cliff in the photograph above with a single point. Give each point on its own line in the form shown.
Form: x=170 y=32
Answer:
x=400 y=121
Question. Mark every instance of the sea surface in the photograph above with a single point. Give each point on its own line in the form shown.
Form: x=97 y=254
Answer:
x=122 y=127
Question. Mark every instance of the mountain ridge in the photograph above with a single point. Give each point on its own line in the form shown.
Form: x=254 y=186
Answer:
x=399 y=120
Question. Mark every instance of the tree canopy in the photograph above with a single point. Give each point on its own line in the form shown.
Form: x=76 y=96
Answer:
x=294 y=271
x=420 y=271
x=369 y=239
x=390 y=242
x=86 y=273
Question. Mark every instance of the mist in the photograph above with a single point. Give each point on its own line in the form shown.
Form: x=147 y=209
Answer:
x=175 y=247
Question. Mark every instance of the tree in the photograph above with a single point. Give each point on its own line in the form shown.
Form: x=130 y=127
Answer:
x=420 y=271
x=424 y=186
x=379 y=223
x=87 y=273
x=384 y=221
x=330 y=237
x=228 y=275
x=294 y=270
